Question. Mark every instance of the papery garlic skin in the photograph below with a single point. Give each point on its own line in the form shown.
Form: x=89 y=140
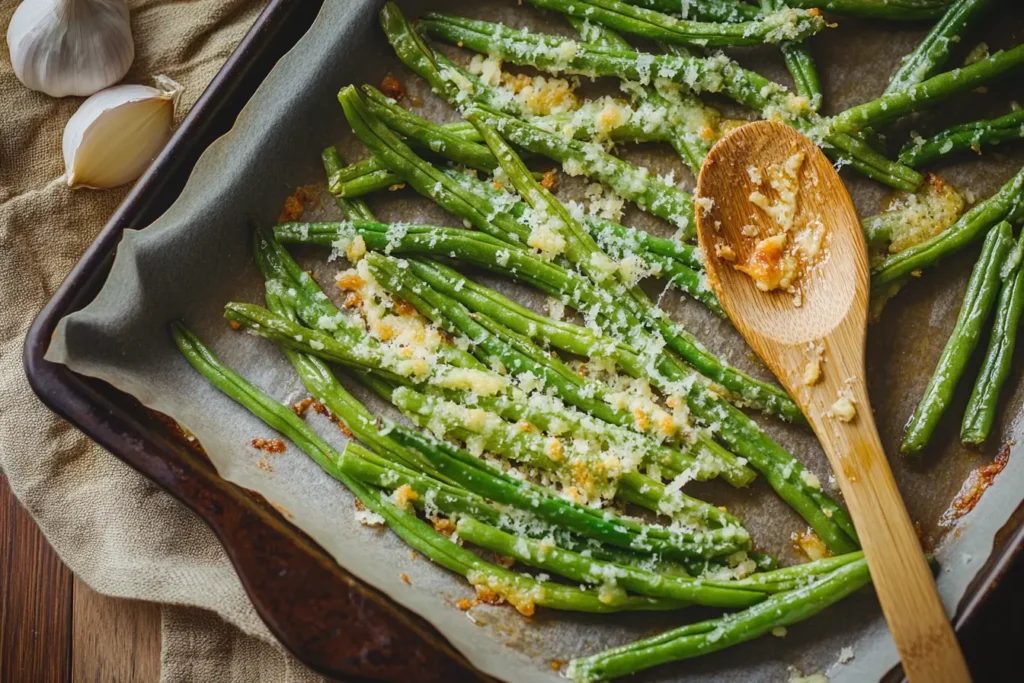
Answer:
x=70 y=47
x=117 y=132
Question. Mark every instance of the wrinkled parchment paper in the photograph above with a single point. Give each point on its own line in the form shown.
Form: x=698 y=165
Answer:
x=197 y=257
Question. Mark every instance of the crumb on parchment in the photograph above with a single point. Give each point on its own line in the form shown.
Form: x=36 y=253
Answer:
x=392 y=87
x=268 y=445
x=295 y=203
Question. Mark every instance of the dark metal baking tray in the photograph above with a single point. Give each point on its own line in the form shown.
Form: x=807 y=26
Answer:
x=326 y=617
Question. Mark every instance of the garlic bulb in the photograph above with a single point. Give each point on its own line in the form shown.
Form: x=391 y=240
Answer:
x=70 y=47
x=117 y=132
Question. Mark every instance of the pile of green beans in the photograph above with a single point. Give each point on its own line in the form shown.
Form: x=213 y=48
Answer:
x=982 y=292
x=609 y=560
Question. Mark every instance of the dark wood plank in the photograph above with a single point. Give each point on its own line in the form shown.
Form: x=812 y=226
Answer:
x=35 y=600
x=113 y=640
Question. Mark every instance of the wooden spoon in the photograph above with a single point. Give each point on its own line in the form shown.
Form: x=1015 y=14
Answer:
x=820 y=324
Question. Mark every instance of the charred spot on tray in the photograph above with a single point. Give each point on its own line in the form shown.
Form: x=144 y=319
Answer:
x=977 y=483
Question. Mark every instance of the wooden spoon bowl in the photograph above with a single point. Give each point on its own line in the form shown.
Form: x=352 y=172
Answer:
x=812 y=337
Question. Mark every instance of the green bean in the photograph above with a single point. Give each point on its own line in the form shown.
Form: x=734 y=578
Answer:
x=956 y=139
x=633 y=239
x=896 y=10
x=621 y=16
x=352 y=209
x=878 y=228
x=932 y=52
x=799 y=61
x=705 y=10
x=961 y=234
x=596 y=34
x=432 y=137
x=927 y=93
x=576 y=567
x=982 y=291
x=981 y=408
x=782 y=609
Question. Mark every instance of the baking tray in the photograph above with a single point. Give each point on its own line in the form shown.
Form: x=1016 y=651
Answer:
x=321 y=613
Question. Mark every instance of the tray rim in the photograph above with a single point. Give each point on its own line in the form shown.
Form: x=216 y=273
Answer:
x=246 y=529
x=117 y=422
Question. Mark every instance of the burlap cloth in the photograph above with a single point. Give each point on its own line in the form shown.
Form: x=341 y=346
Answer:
x=112 y=527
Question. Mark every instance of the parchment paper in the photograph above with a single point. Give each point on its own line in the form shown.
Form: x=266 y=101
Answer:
x=196 y=257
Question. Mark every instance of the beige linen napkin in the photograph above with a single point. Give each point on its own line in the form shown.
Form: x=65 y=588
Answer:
x=112 y=527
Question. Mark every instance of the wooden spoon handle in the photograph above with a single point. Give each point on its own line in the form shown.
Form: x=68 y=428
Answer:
x=902 y=579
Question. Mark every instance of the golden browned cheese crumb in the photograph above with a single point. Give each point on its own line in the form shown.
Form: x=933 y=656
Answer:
x=350 y=281
x=766 y=265
x=295 y=204
x=392 y=87
x=405 y=577
x=268 y=445
x=302 y=406
x=553 y=449
x=404 y=495
x=549 y=180
x=403 y=307
x=725 y=252
x=641 y=419
x=353 y=300
x=464 y=604
x=443 y=525
x=234 y=325
x=504 y=561
x=264 y=465
x=488 y=596
x=557 y=664
x=811 y=545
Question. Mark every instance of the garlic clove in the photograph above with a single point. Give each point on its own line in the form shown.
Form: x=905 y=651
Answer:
x=70 y=47
x=117 y=132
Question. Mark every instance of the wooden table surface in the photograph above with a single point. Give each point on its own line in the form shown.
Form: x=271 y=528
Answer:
x=54 y=628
